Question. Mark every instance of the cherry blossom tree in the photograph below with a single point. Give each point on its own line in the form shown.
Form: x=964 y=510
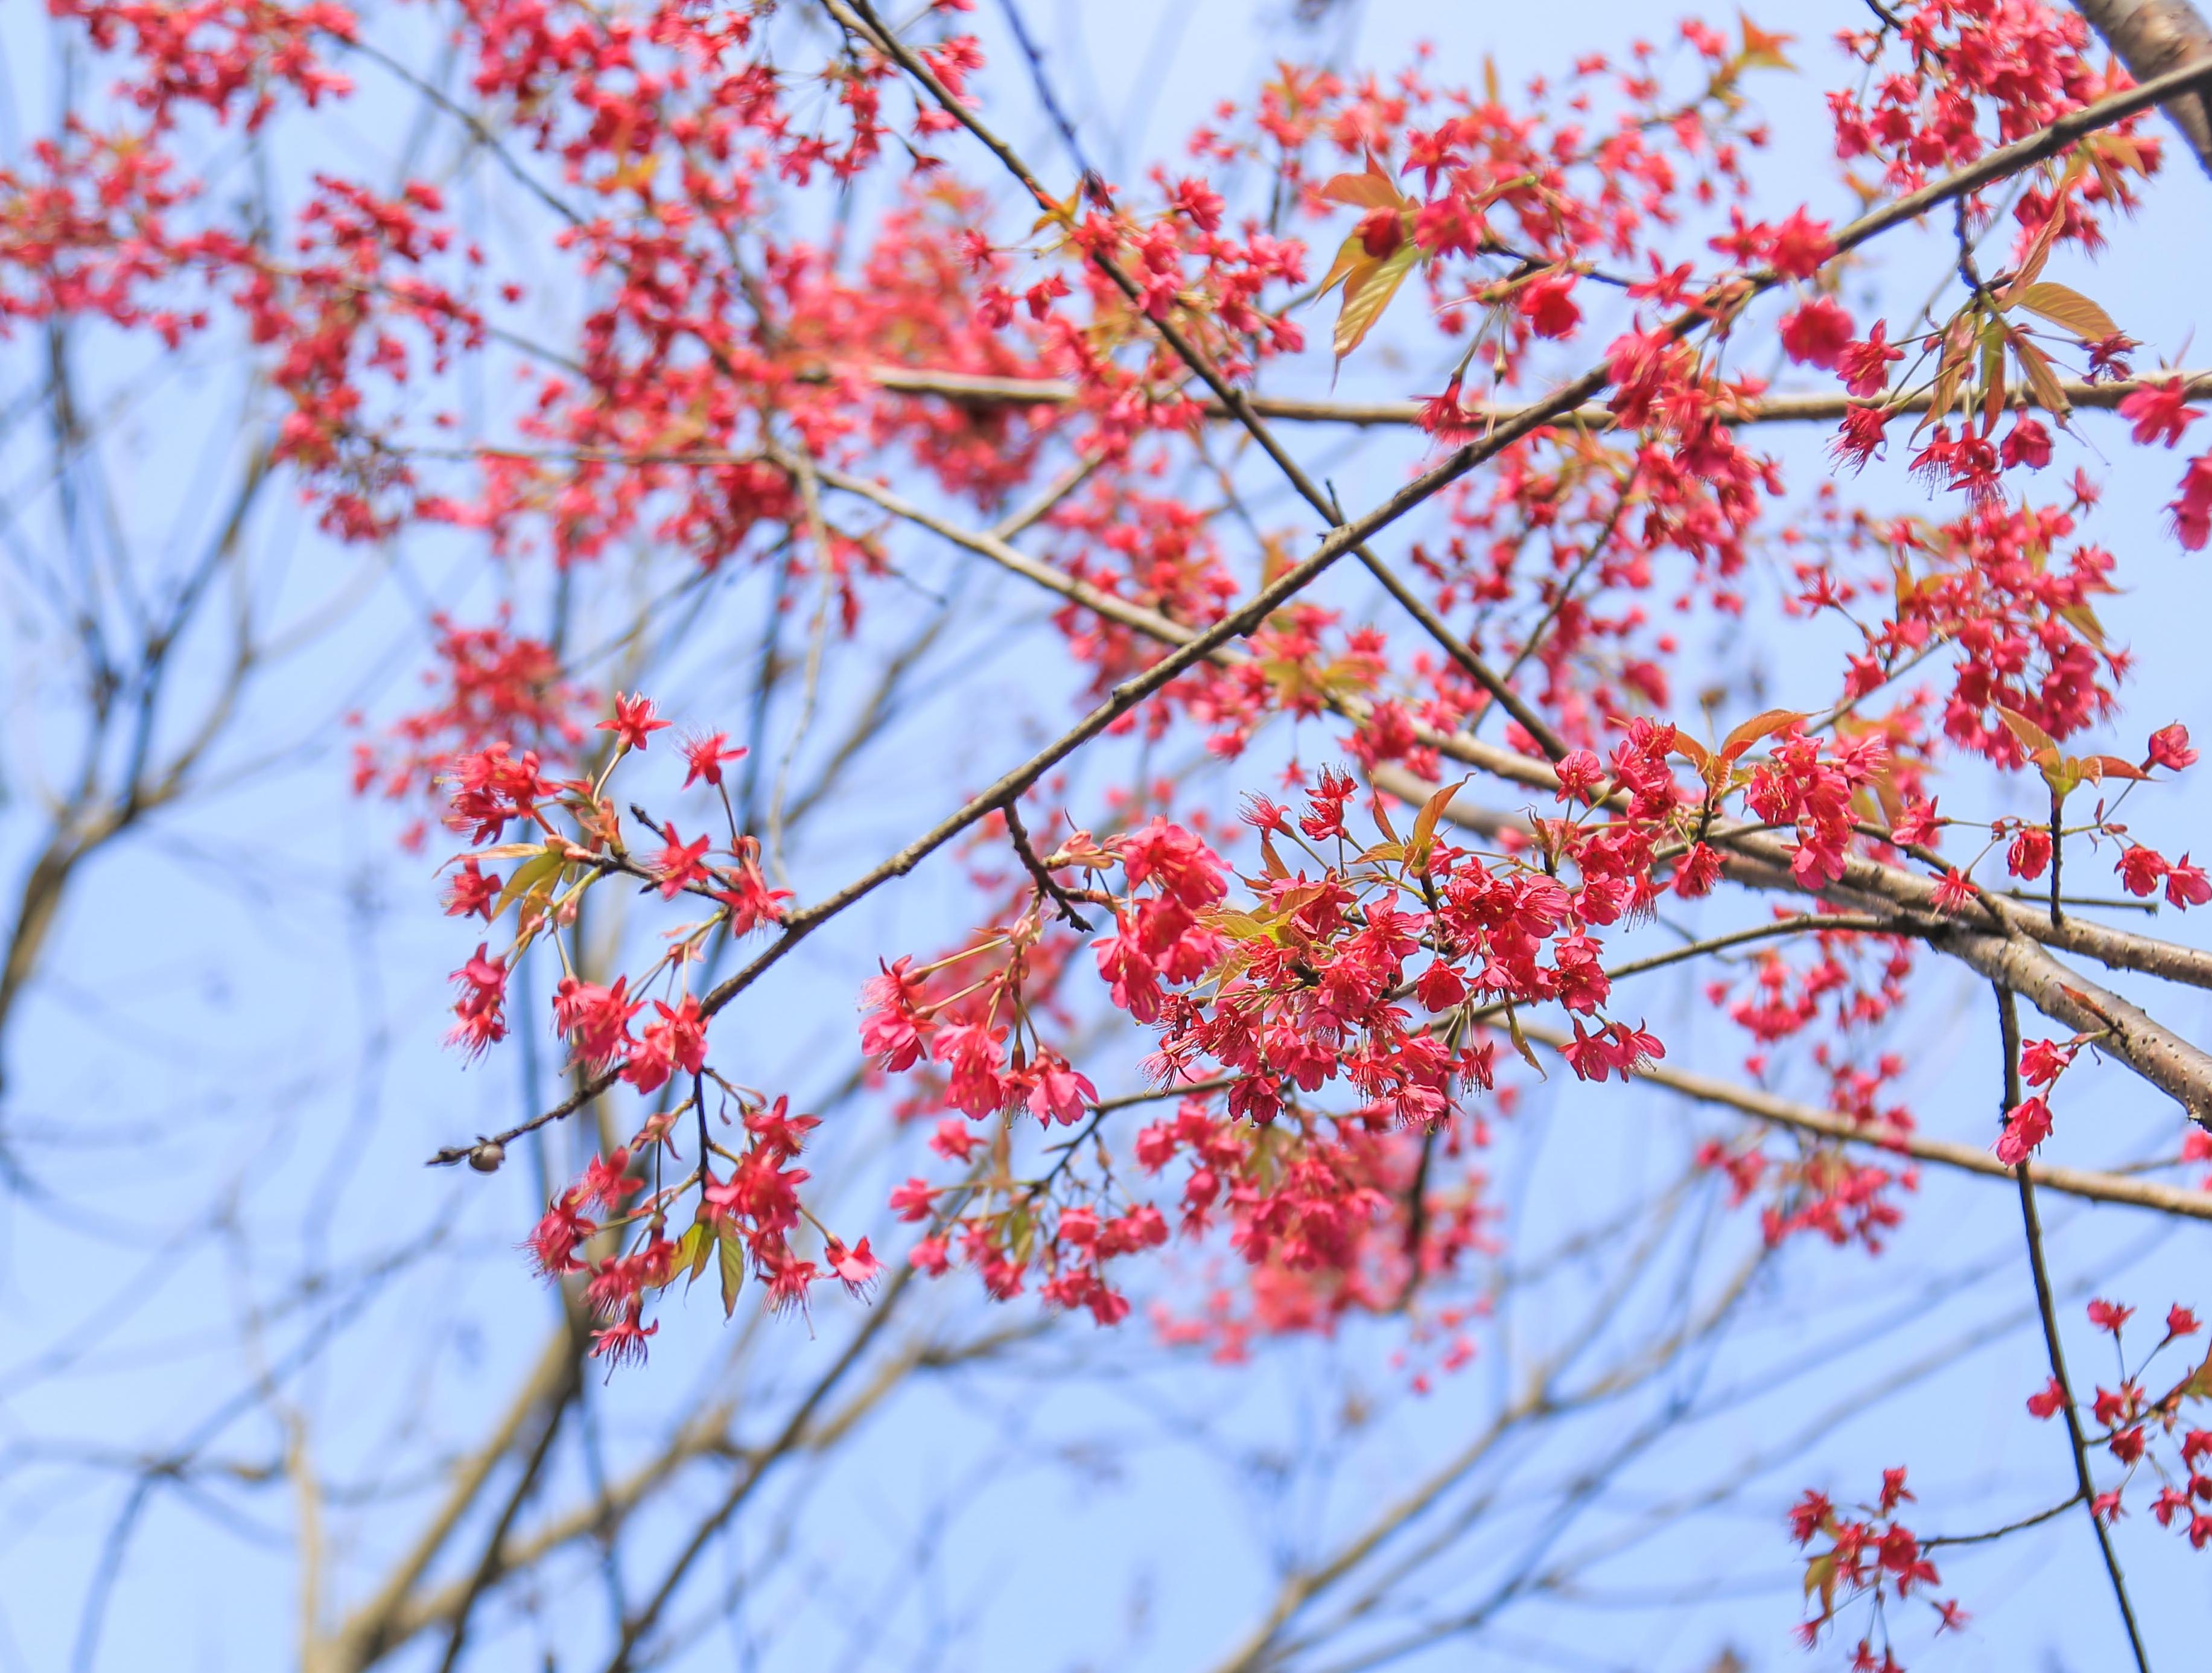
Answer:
x=1449 y=739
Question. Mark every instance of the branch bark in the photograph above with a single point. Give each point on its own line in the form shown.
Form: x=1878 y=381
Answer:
x=2014 y=958
x=974 y=390
x=2089 y=1185
x=2152 y=37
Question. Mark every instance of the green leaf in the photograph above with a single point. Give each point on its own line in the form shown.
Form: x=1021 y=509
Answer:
x=1762 y=49
x=2035 y=365
x=732 y=1254
x=1368 y=292
x=2031 y=265
x=1383 y=818
x=1757 y=726
x=2098 y=768
x=1521 y=1041
x=1241 y=926
x=2199 y=1383
x=1993 y=371
x=1351 y=256
x=504 y=851
x=527 y=876
x=692 y=1249
x=1820 y=1577
x=1372 y=189
x=1951 y=368
x=2083 y=620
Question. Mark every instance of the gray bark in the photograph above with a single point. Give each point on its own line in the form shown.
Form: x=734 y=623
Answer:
x=2152 y=37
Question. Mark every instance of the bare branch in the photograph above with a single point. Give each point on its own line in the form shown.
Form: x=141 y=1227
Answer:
x=972 y=389
x=2089 y=1186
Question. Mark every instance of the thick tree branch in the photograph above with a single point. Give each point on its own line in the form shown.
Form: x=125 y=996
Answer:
x=2123 y=1030
x=2121 y=1188
x=1344 y=537
x=2152 y=37
x=2119 y=1030
x=970 y=389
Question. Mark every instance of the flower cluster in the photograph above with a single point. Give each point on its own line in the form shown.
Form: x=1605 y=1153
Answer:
x=1869 y=1557
x=623 y=1030
x=2139 y=1428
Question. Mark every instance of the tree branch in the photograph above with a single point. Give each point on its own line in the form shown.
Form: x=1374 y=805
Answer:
x=2089 y=1186
x=2153 y=37
x=974 y=390
x=1344 y=537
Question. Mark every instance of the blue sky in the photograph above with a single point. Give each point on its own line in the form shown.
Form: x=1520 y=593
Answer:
x=231 y=1070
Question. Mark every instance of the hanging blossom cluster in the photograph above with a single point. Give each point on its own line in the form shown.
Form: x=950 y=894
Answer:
x=493 y=686
x=1298 y=1193
x=1871 y=1558
x=2142 y=1430
x=1841 y=995
x=1388 y=969
x=612 y=1225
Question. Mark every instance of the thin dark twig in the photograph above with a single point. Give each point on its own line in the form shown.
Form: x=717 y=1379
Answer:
x=1417 y=1219
x=1046 y=883
x=1988 y=1534
x=2008 y=1022
x=706 y=1143
x=2058 y=860
x=478 y=132
x=1093 y=181
x=1599 y=543
x=1234 y=399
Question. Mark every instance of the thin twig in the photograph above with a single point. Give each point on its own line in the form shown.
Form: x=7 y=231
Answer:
x=818 y=634
x=1047 y=885
x=2008 y=1023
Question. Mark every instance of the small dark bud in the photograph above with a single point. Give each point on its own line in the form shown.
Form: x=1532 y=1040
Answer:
x=487 y=1156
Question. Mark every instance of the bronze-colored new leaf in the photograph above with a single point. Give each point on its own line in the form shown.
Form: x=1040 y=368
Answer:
x=2070 y=308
